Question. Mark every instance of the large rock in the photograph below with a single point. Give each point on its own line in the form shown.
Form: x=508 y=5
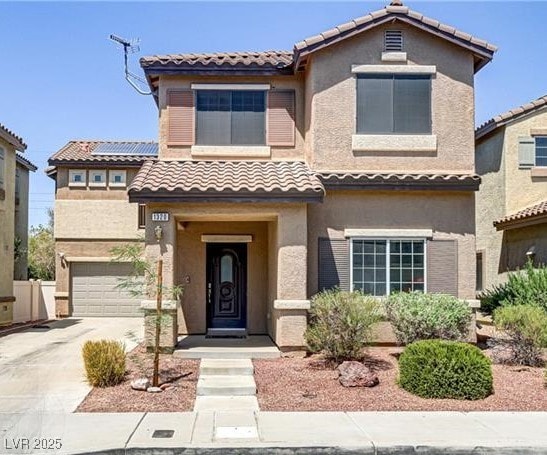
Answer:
x=355 y=374
x=140 y=384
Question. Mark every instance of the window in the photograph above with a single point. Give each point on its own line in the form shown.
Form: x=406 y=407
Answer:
x=17 y=184
x=394 y=104
x=480 y=269
x=230 y=117
x=541 y=150
x=76 y=177
x=141 y=222
x=97 y=178
x=117 y=178
x=380 y=267
x=2 y=165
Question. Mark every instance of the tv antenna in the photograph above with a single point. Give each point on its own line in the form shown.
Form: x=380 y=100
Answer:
x=131 y=47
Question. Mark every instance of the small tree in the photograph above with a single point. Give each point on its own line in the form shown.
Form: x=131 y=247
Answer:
x=146 y=280
x=41 y=251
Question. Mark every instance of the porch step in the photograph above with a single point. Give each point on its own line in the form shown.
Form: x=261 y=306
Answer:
x=226 y=385
x=252 y=347
x=224 y=367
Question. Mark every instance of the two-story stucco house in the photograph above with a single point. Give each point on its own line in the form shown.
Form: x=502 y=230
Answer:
x=10 y=144
x=511 y=157
x=348 y=161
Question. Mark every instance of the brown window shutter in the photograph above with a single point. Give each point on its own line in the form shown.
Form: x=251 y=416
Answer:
x=181 y=117
x=442 y=267
x=281 y=114
x=334 y=263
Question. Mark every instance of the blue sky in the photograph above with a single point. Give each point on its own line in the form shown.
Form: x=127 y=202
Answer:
x=61 y=79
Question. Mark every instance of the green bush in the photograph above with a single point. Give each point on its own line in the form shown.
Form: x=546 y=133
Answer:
x=104 y=362
x=523 y=334
x=524 y=287
x=340 y=323
x=416 y=316
x=445 y=369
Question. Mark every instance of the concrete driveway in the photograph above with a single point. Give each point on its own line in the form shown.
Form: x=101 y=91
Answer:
x=41 y=370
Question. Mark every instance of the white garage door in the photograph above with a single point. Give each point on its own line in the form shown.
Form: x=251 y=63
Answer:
x=95 y=292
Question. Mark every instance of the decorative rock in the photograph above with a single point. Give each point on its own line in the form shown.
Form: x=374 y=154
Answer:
x=154 y=390
x=355 y=374
x=140 y=384
x=166 y=386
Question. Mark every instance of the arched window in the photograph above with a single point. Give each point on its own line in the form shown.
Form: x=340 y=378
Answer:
x=226 y=269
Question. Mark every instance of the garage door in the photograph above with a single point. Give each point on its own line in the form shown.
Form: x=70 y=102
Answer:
x=95 y=292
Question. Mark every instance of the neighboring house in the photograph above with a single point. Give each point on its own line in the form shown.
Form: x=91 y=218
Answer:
x=348 y=161
x=23 y=167
x=511 y=157
x=10 y=144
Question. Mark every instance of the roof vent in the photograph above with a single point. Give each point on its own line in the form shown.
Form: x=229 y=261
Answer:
x=393 y=41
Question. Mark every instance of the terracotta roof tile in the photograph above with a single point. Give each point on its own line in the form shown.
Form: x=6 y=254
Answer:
x=12 y=138
x=228 y=179
x=512 y=114
x=82 y=151
x=538 y=210
x=24 y=162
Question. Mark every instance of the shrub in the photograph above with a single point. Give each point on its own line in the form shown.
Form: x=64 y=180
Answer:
x=340 y=323
x=523 y=334
x=445 y=369
x=524 y=287
x=417 y=316
x=104 y=362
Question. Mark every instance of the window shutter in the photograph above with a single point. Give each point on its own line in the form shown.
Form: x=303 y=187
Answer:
x=334 y=264
x=527 y=152
x=281 y=114
x=442 y=267
x=181 y=117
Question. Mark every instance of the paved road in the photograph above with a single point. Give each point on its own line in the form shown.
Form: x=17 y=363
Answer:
x=41 y=370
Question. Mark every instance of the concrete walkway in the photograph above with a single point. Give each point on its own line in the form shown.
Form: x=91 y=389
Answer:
x=41 y=369
x=270 y=432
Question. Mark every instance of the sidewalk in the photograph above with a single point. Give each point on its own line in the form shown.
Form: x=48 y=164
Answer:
x=271 y=432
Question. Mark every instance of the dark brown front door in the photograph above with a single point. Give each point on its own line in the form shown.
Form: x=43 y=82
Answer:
x=226 y=286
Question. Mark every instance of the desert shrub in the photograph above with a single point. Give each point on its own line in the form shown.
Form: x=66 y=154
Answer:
x=340 y=323
x=445 y=369
x=104 y=362
x=522 y=334
x=524 y=287
x=417 y=316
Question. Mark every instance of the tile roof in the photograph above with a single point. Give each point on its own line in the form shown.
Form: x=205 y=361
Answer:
x=417 y=181
x=267 y=59
x=510 y=115
x=24 y=162
x=12 y=138
x=538 y=210
x=81 y=152
x=226 y=180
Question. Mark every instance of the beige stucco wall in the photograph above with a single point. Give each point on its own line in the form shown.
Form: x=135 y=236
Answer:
x=449 y=214
x=516 y=242
x=7 y=222
x=21 y=223
x=184 y=82
x=331 y=100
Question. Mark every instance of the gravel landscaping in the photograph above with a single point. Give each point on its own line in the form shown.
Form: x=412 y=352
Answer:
x=180 y=373
x=289 y=384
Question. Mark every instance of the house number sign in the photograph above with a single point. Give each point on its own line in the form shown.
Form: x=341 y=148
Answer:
x=160 y=216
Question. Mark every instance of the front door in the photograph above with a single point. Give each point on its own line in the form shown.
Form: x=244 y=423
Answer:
x=226 y=288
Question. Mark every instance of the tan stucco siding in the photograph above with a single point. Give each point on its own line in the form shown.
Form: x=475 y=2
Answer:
x=96 y=219
x=332 y=116
x=191 y=263
x=517 y=242
x=449 y=215
x=295 y=83
x=7 y=221
x=21 y=224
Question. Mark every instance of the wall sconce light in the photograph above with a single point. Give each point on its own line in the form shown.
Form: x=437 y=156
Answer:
x=158 y=231
x=531 y=253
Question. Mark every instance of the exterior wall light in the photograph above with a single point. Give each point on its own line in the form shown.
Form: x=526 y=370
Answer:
x=158 y=231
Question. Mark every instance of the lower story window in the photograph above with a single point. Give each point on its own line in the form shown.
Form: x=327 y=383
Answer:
x=380 y=267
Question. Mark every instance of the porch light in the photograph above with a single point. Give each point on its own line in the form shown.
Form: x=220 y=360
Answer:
x=158 y=231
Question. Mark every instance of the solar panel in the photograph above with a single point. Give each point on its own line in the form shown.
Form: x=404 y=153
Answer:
x=126 y=148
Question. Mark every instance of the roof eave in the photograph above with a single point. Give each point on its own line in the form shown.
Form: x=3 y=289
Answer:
x=521 y=222
x=13 y=140
x=95 y=163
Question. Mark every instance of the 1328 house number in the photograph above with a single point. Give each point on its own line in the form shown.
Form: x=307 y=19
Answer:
x=160 y=216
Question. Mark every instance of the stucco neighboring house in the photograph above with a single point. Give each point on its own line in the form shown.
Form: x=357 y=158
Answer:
x=511 y=157
x=347 y=161
x=10 y=144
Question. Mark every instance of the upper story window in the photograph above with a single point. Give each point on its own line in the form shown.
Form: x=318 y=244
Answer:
x=393 y=104
x=117 y=178
x=541 y=150
x=77 y=177
x=230 y=117
x=2 y=167
x=97 y=178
